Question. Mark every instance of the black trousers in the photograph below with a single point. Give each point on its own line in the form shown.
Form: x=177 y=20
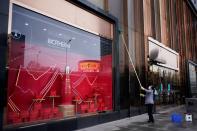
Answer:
x=150 y=112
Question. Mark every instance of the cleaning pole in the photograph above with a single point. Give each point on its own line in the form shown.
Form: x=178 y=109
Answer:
x=131 y=60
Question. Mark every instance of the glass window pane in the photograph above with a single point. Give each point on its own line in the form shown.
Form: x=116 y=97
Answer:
x=98 y=3
x=55 y=70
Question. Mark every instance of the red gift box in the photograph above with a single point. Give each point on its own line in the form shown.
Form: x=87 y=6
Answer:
x=92 y=105
x=13 y=117
x=18 y=120
x=55 y=111
x=46 y=113
x=24 y=115
x=100 y=100
x=101 y=106
x=37 y=106
x=82 y=108
x=33 y=115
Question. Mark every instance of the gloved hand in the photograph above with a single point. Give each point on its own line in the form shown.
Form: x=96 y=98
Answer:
x=142 y=88
x=142 y=95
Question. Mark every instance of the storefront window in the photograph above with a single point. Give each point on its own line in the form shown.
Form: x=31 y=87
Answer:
x=55 y=70
x=192 y=79
x=166 y=83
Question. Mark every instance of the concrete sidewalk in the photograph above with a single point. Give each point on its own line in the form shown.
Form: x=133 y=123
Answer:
x=139 y=123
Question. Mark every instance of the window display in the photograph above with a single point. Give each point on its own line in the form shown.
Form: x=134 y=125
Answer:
x=55 y=70
x=192 y=79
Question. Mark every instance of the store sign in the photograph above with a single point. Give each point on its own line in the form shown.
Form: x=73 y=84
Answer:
x=58 y=43
x=89 y=66
x=163 y=55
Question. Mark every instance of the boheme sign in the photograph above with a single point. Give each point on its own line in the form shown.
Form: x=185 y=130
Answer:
x=58 y=44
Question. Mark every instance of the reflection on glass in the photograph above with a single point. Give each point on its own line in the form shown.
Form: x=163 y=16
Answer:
x=166 y=83
x=56 y=70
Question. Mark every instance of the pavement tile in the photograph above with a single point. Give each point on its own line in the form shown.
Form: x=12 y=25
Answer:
x=139 y=123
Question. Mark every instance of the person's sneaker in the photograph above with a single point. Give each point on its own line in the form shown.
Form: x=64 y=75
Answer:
x=150 y=121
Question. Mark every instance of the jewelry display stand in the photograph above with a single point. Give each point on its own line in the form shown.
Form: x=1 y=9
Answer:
x=67 y=110
x=53 y=99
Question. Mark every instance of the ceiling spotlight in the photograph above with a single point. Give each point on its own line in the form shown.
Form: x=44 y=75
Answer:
x=60 y=34
x=44 y=29
x=26 y=24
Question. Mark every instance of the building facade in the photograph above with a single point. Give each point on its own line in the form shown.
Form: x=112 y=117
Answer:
x=67 y=64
